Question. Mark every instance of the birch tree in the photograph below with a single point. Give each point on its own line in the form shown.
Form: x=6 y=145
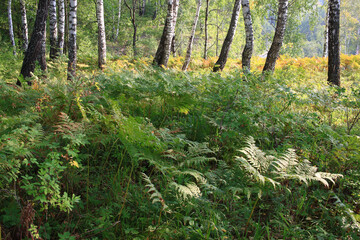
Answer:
x=118 y=21
x=24 y=25
x=61 y=29
x=53 y=29
x=249 y=45
x=11 y=29
x=274 y=51
x=72 y=38
x=325 y=51
x=191 y=39
x=35 y=43
x=334 y=43
x=220 y=64
x=101 y=33
x=164 y=48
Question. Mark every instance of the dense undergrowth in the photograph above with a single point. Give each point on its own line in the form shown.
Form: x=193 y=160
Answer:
x=138 y=152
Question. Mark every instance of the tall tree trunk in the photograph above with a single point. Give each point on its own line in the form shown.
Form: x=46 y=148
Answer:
x=142 y=8
x=220 y=64
x=53 y=29
x=11 y=29
x=66 y=33
x=72 y=39
x=118 y=22
x=358 y=44
x=164 y=48
x=101 y=33
x=274 y=51
x=247 y=53
x=334 y=43
x=36 y=41
x=191 y=39
x=24 y=26
x=132 y=10
x=206 y=28
x=61 y=30
x=156 y=10
x=42 y=55
x=325 y=51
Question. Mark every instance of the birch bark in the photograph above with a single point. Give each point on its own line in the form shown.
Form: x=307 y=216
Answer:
x=11 y=28
x=220 y=64
x=72 y=39
x=164 y=48
x=61 y=29
x=191 y=39
x=118 y=21
x=101 y=33
x=325 y=51
x=53 y=29
x=334 y=43
x=24 y=25
x=274 y=51
x=36 y=42
x=249 y=45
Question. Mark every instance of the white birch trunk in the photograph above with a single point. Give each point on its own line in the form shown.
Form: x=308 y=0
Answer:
x=248 y=50
x=61 y=29
x=101 y=33
x=72 y=38
x=53 y=29
x=24 y=26
x=325 y=51
x=191 y=39
x=118 y=21
x=11 y=29
x=164 y=48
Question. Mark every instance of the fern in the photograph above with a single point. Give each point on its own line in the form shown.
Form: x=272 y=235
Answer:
x=155 y=195
x=266 y=168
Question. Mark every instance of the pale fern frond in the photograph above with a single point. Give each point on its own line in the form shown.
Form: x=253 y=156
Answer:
x=187 y=191
x=257 y=158
x=155 y=195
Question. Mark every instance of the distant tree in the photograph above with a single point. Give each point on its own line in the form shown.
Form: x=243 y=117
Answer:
x=220 y=64
x=61 y=29
x=206 y=28
x=24 y=25
x=53 y=29
x=274 y=51
x=132 y=11
x=101 y=33
x=191 y=39
x=142 y=8
x=247 y=53
x=11 y=28
x=72 y=39
x=164 y=48
x=334 y=43
x=118 y=22
x=36 y=41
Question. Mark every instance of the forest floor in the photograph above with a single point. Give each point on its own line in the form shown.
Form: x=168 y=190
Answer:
x=137 y=152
